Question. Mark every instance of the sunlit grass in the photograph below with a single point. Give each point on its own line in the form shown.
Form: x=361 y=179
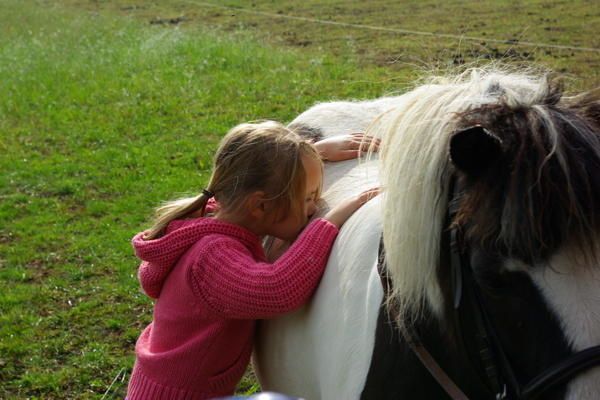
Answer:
x=103 y=118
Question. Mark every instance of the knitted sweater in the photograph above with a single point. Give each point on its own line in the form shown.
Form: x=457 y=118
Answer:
x=212 y=283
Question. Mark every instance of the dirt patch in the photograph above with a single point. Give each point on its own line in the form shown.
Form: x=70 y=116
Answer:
x=7 y=237
x=167 y=21
x=37 y=270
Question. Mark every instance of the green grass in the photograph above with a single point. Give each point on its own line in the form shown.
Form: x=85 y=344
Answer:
x=102 y=118
x=566 y=23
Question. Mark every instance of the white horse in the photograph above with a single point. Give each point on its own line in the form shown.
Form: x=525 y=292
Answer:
x=526 y=162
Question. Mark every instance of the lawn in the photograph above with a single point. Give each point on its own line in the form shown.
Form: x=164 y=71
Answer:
x=102 y=118
x=400 y=39
x=104 y=115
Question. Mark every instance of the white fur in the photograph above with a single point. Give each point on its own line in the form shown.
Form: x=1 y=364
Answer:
x=344 y=117
x=573 y=293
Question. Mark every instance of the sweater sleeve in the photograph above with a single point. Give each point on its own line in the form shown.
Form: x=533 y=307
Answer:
x=234 y=285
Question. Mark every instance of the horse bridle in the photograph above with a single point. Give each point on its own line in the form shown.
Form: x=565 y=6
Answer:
x=468 y=310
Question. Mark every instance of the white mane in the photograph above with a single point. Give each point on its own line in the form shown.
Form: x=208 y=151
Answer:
x=415 y=171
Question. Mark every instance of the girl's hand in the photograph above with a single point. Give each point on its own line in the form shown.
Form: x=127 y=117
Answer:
x=346 y=147
x=340 y=213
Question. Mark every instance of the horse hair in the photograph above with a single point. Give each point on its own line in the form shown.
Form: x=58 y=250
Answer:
x=543 y=190
x=542 y=193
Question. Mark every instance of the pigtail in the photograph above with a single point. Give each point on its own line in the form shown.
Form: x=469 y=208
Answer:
x=177 y=209
x=263 y=156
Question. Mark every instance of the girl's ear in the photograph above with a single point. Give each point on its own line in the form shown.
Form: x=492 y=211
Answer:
x=256 y=204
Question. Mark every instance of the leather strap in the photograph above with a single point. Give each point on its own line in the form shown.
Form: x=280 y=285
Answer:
x=433 y=367
x=415 y=345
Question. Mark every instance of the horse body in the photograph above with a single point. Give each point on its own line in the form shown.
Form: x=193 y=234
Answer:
x=526 y=164
x=328 y=344
x=349 y=307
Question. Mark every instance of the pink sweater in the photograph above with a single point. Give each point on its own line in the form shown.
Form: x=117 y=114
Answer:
x=212 y=283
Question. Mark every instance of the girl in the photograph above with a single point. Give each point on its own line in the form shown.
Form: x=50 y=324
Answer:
x=210 y=275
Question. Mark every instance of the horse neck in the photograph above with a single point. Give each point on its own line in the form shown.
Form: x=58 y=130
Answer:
x=541 y=316
x=571 y=290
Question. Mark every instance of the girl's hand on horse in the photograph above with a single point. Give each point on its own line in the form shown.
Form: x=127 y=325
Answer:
x=346 y=147
x=339 y=214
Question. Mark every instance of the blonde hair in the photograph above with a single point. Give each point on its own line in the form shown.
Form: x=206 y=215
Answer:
x=263 y=156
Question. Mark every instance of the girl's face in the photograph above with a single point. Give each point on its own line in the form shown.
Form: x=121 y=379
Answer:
x=289 y=227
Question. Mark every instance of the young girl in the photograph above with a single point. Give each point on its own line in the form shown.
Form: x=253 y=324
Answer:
x=210 y=275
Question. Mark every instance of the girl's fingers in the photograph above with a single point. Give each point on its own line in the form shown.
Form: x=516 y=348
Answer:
x=363 y=135
x=349 y=154
x=369 y=194
x=368 y=145
x=363 y=140
x=366 y=142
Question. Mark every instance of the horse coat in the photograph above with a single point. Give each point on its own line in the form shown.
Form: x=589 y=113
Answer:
x=540 y=266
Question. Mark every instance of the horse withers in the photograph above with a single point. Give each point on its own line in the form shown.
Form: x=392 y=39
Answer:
x=498 y=170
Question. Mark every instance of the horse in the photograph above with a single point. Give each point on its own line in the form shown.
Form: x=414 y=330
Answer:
x=491 y=204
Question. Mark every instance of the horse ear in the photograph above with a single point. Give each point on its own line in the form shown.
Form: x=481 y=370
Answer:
x=474 y=149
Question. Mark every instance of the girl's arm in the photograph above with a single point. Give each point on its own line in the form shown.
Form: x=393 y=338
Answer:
x=234 y=285
x=346 y=147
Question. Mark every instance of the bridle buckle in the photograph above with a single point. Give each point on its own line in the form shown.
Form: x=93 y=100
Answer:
x=501 y=396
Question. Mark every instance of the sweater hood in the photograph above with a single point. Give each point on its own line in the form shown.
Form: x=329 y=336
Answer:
x=159 y=256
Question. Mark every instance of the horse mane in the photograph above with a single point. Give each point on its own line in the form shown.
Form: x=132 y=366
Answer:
x=416 y=168
x=544 y=190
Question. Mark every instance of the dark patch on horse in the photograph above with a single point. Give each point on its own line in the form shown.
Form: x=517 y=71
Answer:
x=541 y=190
x=395 y=371
x=528 y=331
x=311 y=133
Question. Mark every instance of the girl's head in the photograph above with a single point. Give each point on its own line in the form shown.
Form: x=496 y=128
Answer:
x=262 y=168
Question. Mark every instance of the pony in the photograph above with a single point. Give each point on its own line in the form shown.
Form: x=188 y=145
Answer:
x=510 y=166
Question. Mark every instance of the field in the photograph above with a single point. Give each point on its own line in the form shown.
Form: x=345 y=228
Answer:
x=400 y=39
x=108 y=108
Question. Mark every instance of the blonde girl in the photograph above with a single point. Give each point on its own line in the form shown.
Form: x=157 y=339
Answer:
x=210 y=275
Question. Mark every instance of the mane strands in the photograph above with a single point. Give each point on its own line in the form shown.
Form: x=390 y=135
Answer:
x=415 y=171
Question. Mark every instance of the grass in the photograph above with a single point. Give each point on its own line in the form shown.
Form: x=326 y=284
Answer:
x=562 y=23
x=102 y=118
x=104 y=115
